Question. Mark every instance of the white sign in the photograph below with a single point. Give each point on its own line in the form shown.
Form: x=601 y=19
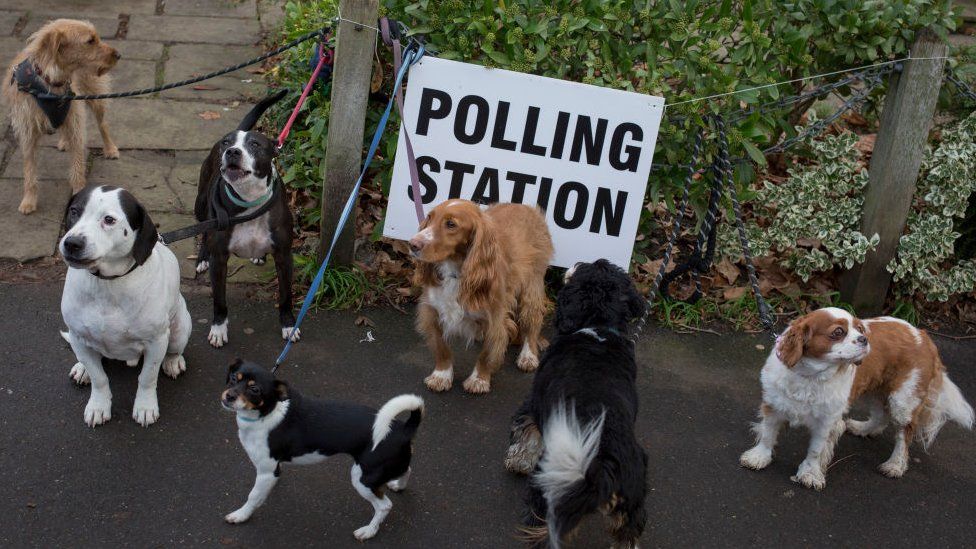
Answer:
x=582 y=153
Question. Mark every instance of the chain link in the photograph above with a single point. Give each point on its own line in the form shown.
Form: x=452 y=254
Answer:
x=962 y=88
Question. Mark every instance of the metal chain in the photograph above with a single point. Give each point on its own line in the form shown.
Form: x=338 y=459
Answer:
x=116 y=95
x=725 y=167
x=962 y=88
x=675 y=230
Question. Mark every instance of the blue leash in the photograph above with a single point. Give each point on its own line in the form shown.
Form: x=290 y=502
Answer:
x=410 y=56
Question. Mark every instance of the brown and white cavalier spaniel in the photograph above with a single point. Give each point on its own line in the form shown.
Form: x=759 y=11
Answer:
x=482 y=278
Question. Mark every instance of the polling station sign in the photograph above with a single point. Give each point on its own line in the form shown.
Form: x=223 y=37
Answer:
x=581 y=153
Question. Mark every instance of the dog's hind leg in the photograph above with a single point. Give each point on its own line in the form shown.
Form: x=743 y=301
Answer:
x=284 y=268
x=532 y=311
x=203 y=255
x=145 y=409
x=399 y=484
x=381 y=504
x=179 y=334
x=525 y=442
x=28 y=138
x=73 y=131
x=109 y=149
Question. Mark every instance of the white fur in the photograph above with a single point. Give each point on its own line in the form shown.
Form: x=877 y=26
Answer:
x=218 y=334
x=949 y=404
x=569 y=450
x=253 y=430
x=389 y=411
x=454 y=320
x=527 y=360
x=381 y=506
x=141 y=314
x=916 y=335
x=903 y=402
x=592 y=333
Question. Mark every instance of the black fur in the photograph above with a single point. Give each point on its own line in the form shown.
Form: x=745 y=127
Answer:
x=214 y=244
x=325 y=426
x=596 y=372
x=135 y=215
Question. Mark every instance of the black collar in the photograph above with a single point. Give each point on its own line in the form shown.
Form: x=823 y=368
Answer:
x=103 y=277
x=30 y=79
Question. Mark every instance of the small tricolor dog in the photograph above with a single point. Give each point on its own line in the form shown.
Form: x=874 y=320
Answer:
x=826 y=361
x=121 y=298
x=278 y=425
x=575 y=432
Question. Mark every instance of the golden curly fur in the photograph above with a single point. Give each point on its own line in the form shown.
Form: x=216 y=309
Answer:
x=482 y=273
x=68 y=53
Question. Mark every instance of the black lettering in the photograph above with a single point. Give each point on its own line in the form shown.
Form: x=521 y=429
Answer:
x=545 y=187
x=457 y=169
x=528 y=136
x=480 y=122
x=487 y=190
x=613 y=214
x=520 y=180
x=426 y=181
x=559 y=137
x=562 y=199
x=427 y=110
x=498 y=140
x=584 y=136
x=633 y=152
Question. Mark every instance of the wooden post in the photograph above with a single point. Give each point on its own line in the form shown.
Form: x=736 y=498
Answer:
x=347 y=121
x=905 y=123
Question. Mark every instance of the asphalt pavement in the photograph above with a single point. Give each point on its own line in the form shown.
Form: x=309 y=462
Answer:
x=170 y=484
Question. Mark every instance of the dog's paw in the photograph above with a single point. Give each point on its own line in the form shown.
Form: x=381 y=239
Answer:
x=98 y=410
x=238 y=516
x=476 y=385
x=174 y=365
x=893 y=468
x=810 y=477
x=366 y=532
x=522 y=457
x=112 y=153
x=79 y=374
x=27 y=206
x=202 y=266
x=286 y=334
x=440 y=380
x=218 y=334
x=756 y=458
x=863 y=428
x=145 y=410
x=259 y=260
x=527 y=361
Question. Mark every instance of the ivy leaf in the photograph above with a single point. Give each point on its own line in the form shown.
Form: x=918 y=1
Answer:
x=754 y=153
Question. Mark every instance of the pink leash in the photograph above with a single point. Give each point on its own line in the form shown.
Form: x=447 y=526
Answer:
x=323 y=58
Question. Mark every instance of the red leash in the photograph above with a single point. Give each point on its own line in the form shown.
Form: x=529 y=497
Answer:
x=325 y=56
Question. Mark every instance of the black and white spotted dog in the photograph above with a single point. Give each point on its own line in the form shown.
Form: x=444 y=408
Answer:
x=575 y=432
x=278 y=425
x=121 y=298
x=241 y=166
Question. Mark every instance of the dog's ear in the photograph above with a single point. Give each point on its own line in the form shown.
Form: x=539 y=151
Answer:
x=146 y=235
x=281 y=389
x=76 y=201
x=790 y=345
x=234 y=366
x=571 y=304
x=636 y=304
x=479 y=272
x=49 y=43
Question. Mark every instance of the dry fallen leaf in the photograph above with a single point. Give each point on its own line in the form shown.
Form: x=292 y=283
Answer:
x=205 y=87
x=734 y=293
x=363 y=321
x=209 y=115
x=728 y=270
x=865 y=143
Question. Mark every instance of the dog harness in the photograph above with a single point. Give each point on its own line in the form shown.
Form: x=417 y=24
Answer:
x=30 y=80
x=593 y=333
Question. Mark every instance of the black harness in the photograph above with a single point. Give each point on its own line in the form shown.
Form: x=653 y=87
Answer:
x=30 y=80
x=222 y=214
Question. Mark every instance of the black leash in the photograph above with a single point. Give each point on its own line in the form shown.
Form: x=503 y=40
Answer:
x=221 y=219
x=40 y=94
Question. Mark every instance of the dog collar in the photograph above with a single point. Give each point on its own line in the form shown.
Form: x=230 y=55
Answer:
x=104 y=277
x=247 y=419
x=232 y=196
x=30 y=80
x=592 y=332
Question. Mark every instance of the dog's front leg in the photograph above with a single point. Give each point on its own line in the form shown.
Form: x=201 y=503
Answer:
x=28 y=150
x=284 y=268
x=99 y=407
x=263 y=483
x=767 y=431
x=525 y=441
x=145 y=410
x=429 y=324
x=109 y=149
x=218 y=287
x=73 y=133
x=491 y=357
x=823 y=438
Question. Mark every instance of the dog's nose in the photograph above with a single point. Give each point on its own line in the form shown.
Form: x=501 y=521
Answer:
x=862 y=341
x=74 y=245
x=229 y=396
x=416 y=244
x=233 y=153
x=116 y=55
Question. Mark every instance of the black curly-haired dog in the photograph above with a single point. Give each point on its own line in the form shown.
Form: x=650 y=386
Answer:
x=575 y=431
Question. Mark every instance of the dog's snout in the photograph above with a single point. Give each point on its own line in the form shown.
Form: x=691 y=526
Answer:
x=73 y=245
x=116 y=55
x=862 y=341
x=233 y=153
x=417 y=244
x=230 y=396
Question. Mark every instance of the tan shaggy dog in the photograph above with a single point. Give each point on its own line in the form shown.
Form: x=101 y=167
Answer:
x=482 y=273
x=67 y=55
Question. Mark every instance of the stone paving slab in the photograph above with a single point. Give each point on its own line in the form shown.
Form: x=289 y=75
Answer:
x=9 y=46
x=138 y=49
x=207 y=30
x=27 y=237
x=88 y=8
x=185 y=176
x=8 y=20
x=130 y=74
x=189 y=60
x=271 y=14
x=106 y=26
x=51 y=163
x=144 y=173
x=210 y=8
x=166 y=124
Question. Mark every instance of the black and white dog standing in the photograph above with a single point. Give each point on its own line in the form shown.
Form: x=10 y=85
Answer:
x=121 y=298
x=241 y=167
x=278 y=425
x=575 y=432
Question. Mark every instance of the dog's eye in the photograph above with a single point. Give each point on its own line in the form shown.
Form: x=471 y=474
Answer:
x=253 y=389
x=91 y=40
x=109 y=220
x=74 y=211
x=450 y=224
x=838 y=333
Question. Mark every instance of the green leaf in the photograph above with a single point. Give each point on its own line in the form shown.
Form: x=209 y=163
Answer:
x=754 y=153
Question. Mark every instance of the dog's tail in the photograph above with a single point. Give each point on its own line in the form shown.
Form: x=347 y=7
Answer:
x=397 y=405
x=252 y=117
x=572 y=484
x=948 y=403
